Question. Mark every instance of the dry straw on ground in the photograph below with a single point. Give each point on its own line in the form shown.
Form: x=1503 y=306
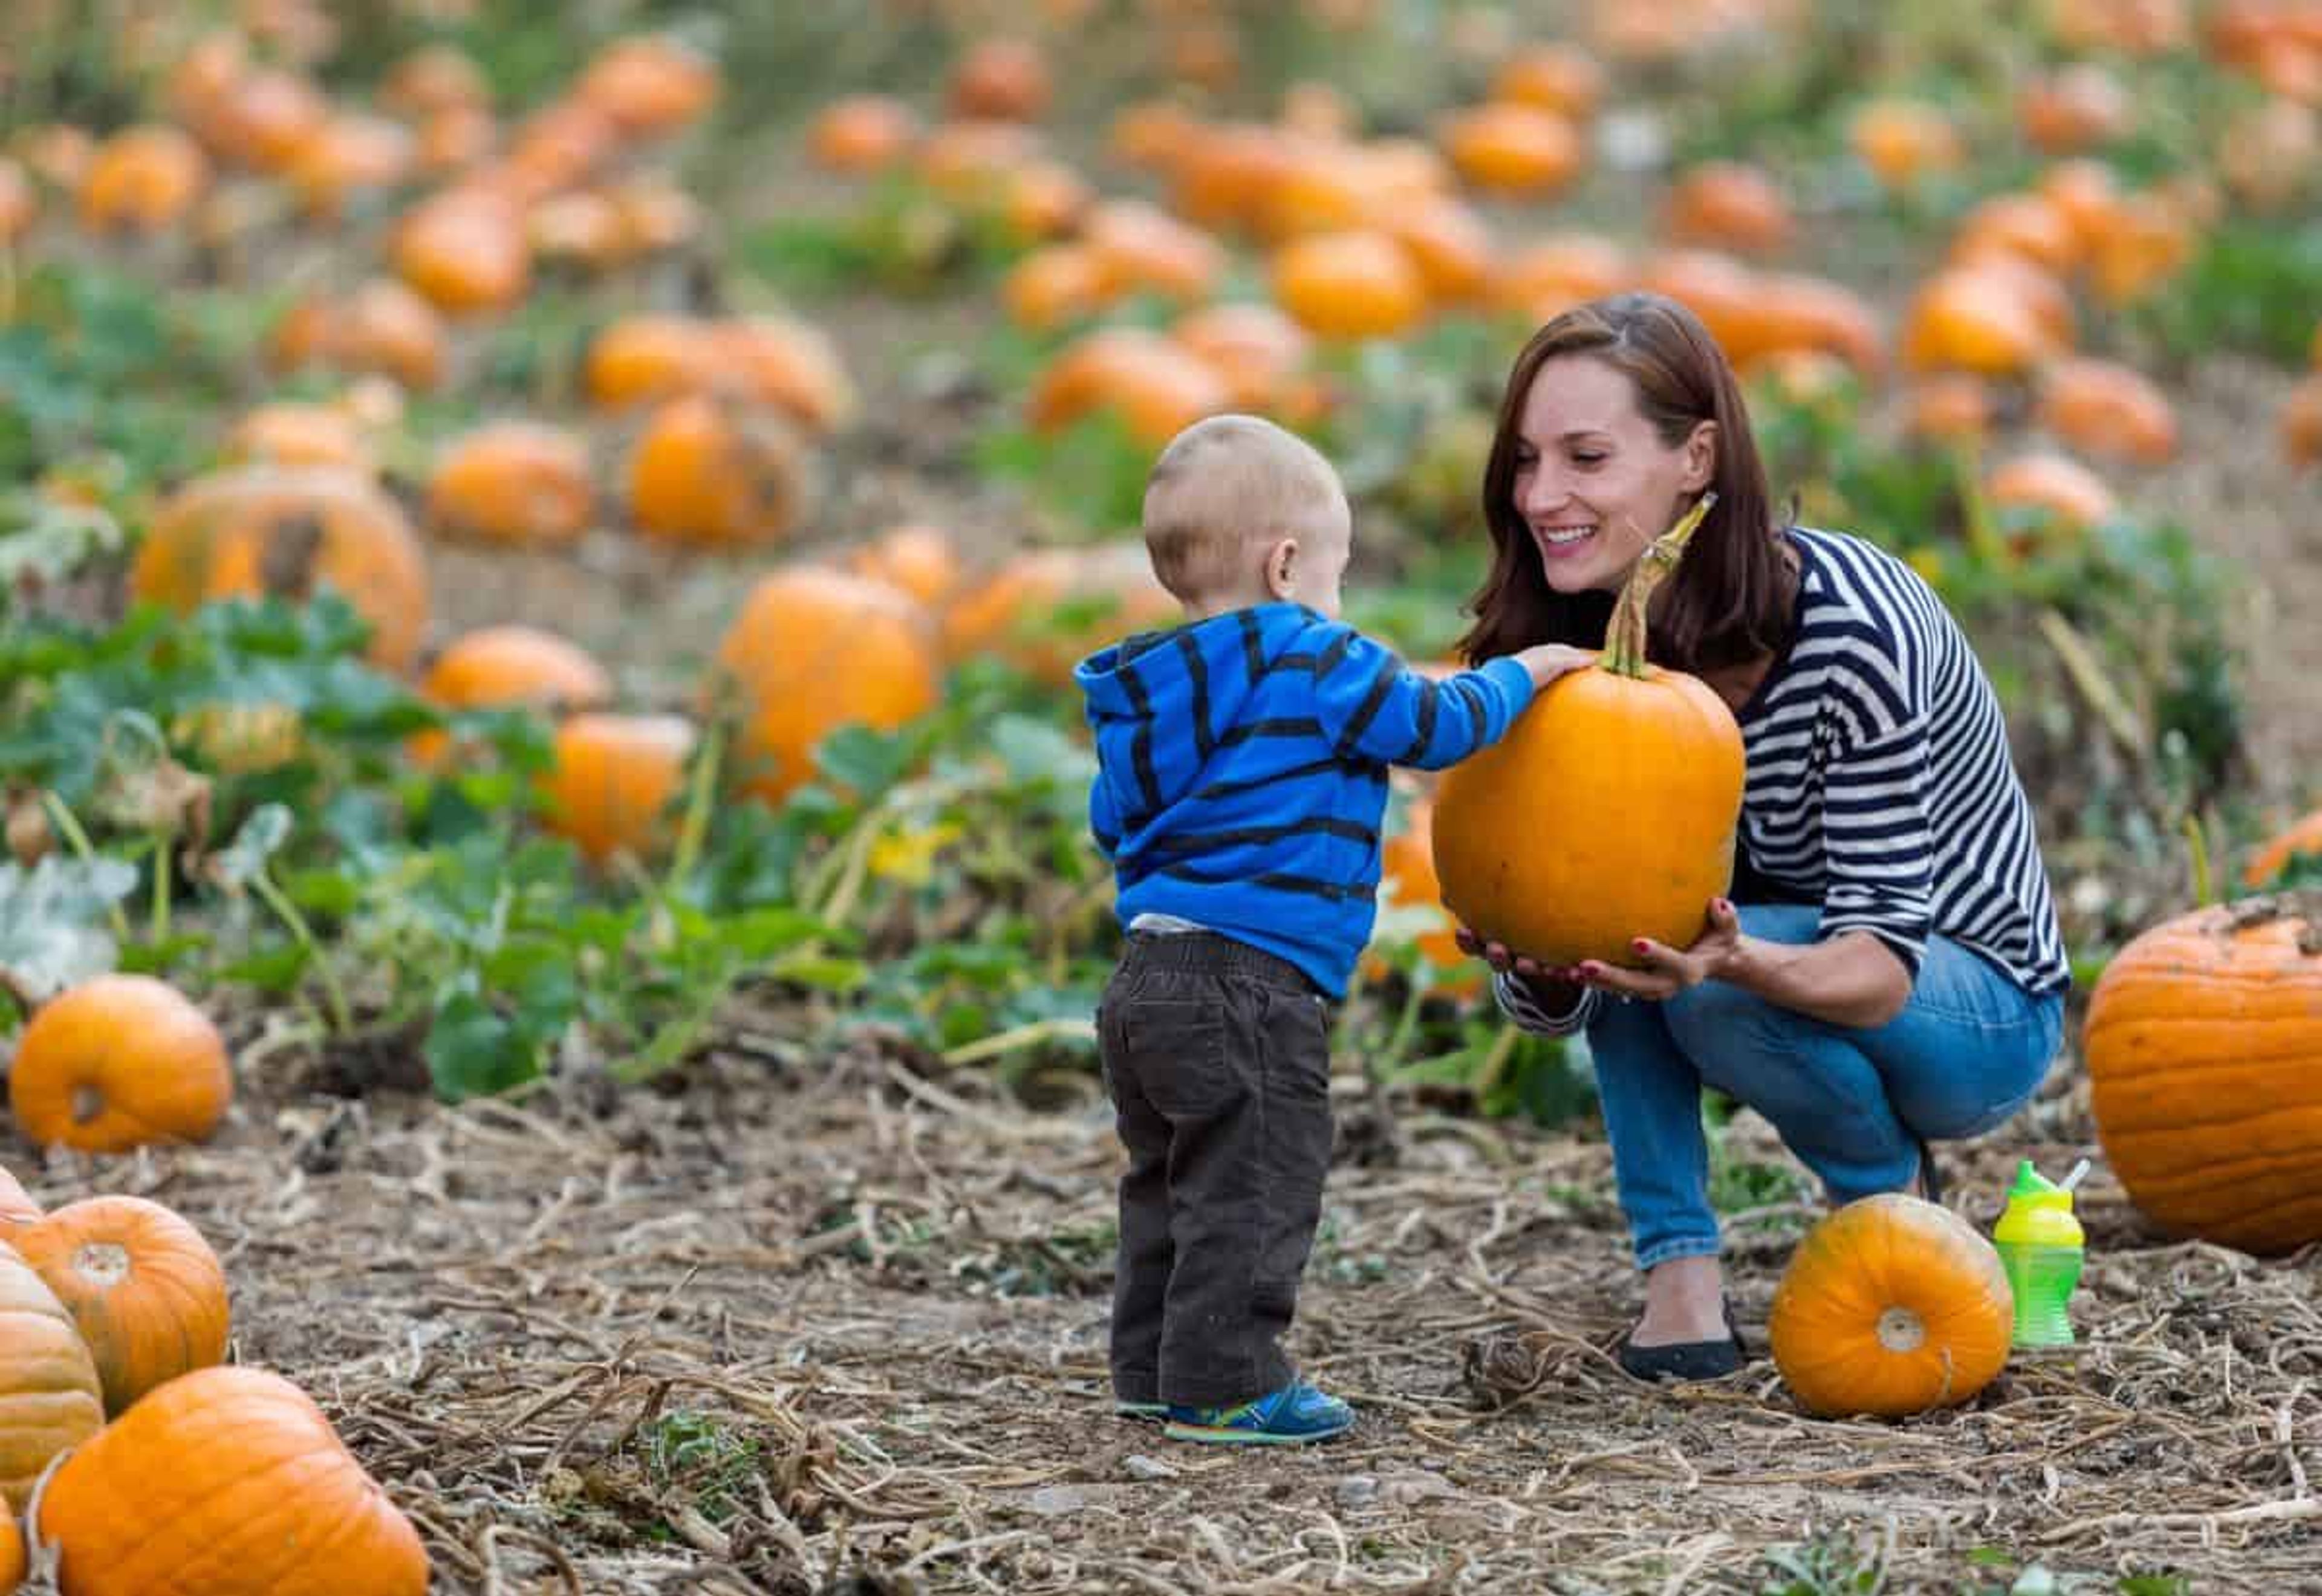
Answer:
x=816 y=1324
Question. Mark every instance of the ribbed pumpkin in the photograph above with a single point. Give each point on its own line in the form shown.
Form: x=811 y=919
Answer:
x=2051 y=487
x=640 y=358
x=140 y=1282
x=514 y=482
x=11 y=1554
x=814 y=650
x=1157 y=388
x=17 y=1209
x=609 y=785
x=506 y=665
x=2204 y=1047
x=1407 y=877
x=142 y=179
x=1642 y=768
x=1046 y=608
x=116 y=1062
x=227 y=1482
x=1511 y=147
x=263 y=529
x=1355 y=284
x=464 y=249
x=1891 y=1306
x=717 y=473
x=300 y=434
x=862 y=133
x=919 y=559
x=49 y=1398
x=2102 y=408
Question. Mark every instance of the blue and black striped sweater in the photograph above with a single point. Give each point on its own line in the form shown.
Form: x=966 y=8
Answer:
x=1241 y=772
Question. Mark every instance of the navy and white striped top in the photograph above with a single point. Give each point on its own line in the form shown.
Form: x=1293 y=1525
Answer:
x=1879 y=782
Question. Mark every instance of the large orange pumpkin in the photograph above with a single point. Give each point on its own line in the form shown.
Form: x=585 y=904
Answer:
x=1643 y=767
x=12 y=1553
x=1891 y=1306
x=263 y=529
x=227 y=1482
x=609 y=785
x=116 y=1062
x=2204 y=1046
x=815 y=648
x=1407 y=877
x=49 y=1398
x=140 y=1282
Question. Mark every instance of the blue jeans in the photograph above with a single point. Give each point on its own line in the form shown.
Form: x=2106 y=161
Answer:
x=1969 y=1050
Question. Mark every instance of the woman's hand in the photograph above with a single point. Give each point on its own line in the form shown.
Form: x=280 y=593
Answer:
x=1500 y=957
x=1670 y=971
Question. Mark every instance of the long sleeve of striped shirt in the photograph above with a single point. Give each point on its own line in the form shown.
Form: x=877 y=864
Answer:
x=1879 y=850
x=1514 y=996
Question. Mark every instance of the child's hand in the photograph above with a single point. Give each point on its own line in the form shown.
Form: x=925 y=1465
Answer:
x=1549 y=661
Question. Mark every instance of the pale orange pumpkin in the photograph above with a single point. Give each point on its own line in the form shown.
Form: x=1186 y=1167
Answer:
x=788 y=364
x=649 y=357
x=1259 y=351
x=2204 y=1048
x=714 y=472
x=2075 y=107
x=1547 y=275
x=232 y=1482
x=349 y=157
x=142 y=179
x=464 y=251
x=1904 y=142
x=1643 y=768
x=434 y=78
x=919 y=559
x=1013 y=614
x=2055 y=489
x=1950 y=406
x=296 y=434
x=2030 y=226
x=859 y=134
x=520 y=482
x=2102 y=408
x=507 y=667
x=1891 y=1306
x=145 y=1288
x=1144 y=248
x=116 y=1062
x=648 y=87
x=1056 y=285
x=1513 y=147
x=815 y=648
x=1559 y=77
x=1731 y=204
x=1157 y=388
x=2301 y=423
x=49 y=1398
x=267 y=529
x=611 y=779
x=382 y=328
x=1448 y=241
x=1003 y=79
x=11 y=1554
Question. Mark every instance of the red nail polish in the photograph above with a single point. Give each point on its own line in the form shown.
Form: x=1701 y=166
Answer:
x=1639 y=945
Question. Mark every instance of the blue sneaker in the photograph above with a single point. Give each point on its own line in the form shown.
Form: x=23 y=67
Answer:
x=1290 y=1417
x=1140 y=1409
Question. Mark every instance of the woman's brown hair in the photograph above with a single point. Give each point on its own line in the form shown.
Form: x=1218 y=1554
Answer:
x=1730 y=601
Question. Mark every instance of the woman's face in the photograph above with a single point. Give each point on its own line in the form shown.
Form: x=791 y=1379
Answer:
x=1594 y=482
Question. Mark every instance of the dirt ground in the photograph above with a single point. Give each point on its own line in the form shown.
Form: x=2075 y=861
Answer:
x=813 y=1323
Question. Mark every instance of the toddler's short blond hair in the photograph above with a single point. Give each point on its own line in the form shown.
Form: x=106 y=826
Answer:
x=1222 y=490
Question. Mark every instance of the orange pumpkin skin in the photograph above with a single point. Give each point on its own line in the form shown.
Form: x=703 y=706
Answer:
x=1011 y=613
x=609 y=785
x=1643 y=779
x=188 y=1493
x=514 y=482
x=1891 y=1306
x=140 y=1282
x=264 y=529
x=814 y=650
x=1407 y=874
x=116 y=1062
x=919 y=559
x=2204 y=1047
x=712 y=472
x=2267 y=862
x=49 y=1394
x=11 y=1554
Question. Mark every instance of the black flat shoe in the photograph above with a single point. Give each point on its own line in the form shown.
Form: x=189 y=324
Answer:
x=1931 y=1178
x=1685 y=1360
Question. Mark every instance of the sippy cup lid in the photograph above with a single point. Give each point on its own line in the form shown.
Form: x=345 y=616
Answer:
x=2034 y=1189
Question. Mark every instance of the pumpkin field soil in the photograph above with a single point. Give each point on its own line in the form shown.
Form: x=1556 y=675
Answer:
x=828 y=1324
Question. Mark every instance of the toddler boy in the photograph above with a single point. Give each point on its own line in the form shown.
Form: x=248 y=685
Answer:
x=1241 y=783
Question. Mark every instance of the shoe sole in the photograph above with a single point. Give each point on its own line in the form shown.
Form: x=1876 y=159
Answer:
x=1204 y=1434
x=1140 y=1409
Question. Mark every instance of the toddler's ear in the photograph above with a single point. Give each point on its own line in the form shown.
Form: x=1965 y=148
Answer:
x=1281 y=567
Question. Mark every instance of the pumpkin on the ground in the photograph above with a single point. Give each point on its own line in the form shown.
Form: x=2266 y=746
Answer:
x=1044 y=609
x=710 y=471
x=116 y=1062
x=514 y=482
x=229 y=1482
x=2204 y=1048
x=11 y=1554
x=2274 y=857
x=49 y=1397
x=919 y=559
x=507 y=667
x=814 y=650
x=1643 y=767
x=610 y=783
x=282 y=531
x=145 y=1288
x=1407 y=878
x=1891 y=1306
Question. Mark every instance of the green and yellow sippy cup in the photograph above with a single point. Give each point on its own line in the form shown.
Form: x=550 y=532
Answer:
x=2040 y=1246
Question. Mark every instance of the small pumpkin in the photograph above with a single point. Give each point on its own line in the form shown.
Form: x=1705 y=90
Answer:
x=1891 y=1306
x=514 y=482
x=1450 y=243
x=651 y=357
x=2266 y=863
x=814 y=648
x=1644 y=766
x=1013 y=614
x=118 y=1061
x=711 y=471
x=1356 y=283
x=648 y=85
x=1257 y=350
x=49 y=1398
x=1904 y=142
x=919 y=559
x=2204 y=1049
x=2301 y=423
x=1001 y=80
x=1973 y=320
x=2031 y=225
x=2077 y=107
x=263 y=529
x=144 y=178
x=788 y=364
x=1951 y=406
x=860 y=135
x=1144 y=248
x=1559 y=77
x=351 y=156
x=464 y=251
x=507 y=667
x=1513 y=147
x=2051 y=488
x=1552 y=274
x=1731 y=204
x=611 y=782
x=2102 y=408
x=299 y=434
x=145 y=1288
x=229 y=1482
x=434 y=78
x=1158 y=387
x=1056 y=285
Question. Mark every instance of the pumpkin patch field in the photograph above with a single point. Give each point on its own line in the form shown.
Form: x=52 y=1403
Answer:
x=549 y=930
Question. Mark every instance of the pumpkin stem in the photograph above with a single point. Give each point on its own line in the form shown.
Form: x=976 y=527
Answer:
x=2196 y=842
x=105 y=1263
x=1625 y=641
